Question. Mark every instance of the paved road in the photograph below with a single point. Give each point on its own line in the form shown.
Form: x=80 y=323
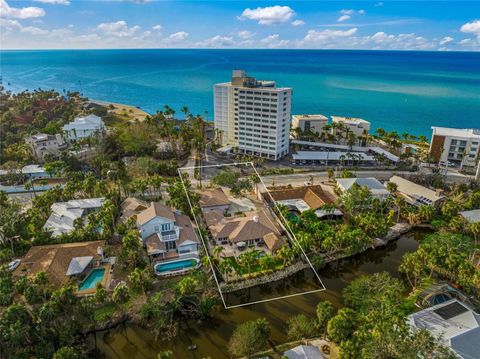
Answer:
x=298 y=179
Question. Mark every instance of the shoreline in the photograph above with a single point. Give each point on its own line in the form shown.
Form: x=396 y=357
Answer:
x=394 y=233
x=123 y=109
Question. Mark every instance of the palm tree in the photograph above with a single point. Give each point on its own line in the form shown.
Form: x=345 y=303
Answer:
x=217 y=251
x=225 y=269
x=249 y=259
x=185 y=110
x=286 y=254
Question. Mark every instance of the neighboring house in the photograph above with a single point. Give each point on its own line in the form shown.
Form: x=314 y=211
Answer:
x=304 y=352
x=130 y=207
x=43 y=144
x=242 y=231
x=472 y=216
x=416 y=194
x=376 y=188
x=28 y=172
x=61 y=261
x=83 y=127
x=64 y=214
x=34 y=172
x=214 y=199
x=301 y=199
x=454 y=323
x=165 y=233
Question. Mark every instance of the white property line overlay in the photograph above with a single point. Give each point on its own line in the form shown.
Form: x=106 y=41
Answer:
x=292 y=235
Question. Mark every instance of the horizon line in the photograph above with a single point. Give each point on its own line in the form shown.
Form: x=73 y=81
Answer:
x=235 y=49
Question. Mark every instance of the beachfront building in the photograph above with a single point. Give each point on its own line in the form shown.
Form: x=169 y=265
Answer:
x=42 y=145
x=84 y=127
x=375 y=187
x=166 y=234
x=454 y=323
x=416 y=194
x=65 y=214
x=252 y=116
x=305 y=123
x=357 y=126
x=456 y=146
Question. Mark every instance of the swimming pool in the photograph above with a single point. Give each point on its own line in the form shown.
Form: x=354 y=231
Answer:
x=95 y=276
x=161 y=268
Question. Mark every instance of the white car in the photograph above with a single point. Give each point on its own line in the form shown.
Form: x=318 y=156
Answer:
x=13 y=264
x=447 y=164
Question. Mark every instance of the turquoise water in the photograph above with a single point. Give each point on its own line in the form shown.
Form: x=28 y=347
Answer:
x=95 y=276
x=171 y=266
x=397 y=90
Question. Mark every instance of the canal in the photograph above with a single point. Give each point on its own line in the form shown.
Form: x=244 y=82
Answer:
x=211 y=336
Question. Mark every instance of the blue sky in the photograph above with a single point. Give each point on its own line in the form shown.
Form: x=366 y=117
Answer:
x=391 y=25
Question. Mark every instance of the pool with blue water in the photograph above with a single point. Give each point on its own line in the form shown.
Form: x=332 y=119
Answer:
x=95 y=276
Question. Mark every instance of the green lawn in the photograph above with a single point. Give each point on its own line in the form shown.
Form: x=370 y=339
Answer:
x=242 y=270
x=104 y=313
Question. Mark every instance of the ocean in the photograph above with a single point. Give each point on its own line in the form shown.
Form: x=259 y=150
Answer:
x=401 y=91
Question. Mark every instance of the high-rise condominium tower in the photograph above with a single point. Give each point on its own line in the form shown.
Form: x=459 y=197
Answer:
x=253 y=116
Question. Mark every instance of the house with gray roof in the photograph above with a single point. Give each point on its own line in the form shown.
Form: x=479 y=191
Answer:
x=83 y=127
x=417 y=195
x=472 y=216
x=165 y=233
x=64 y=214
x=43 y=144
x=376 y=188
x=454 y=323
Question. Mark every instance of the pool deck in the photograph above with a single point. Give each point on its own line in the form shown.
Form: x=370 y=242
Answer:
x=105 y=281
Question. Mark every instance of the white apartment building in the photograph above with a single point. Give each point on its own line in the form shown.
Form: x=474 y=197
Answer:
x=43 y=144
x=459 y=146
x=83 y=127
x=253 y=116
x=357 y=125
x=314 y=123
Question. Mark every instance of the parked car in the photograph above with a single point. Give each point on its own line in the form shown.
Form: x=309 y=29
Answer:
x=13 y=264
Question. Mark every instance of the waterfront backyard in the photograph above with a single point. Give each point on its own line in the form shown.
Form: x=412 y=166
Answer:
x=211 y=336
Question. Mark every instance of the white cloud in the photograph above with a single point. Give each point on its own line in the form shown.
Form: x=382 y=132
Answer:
x=325 y=37
x=298 y=23
x=269 y=15
x=465 y=41
x=347 y=11
x=361 y=12
x=245 y=34
x=118 y=29
x=157 y=27
x=378 y=4
x=54 y=2
x=274 y=42
x=382 y=40
x=343 y=18
x=446 y=40
x=34 y=30
x=217 y=41
x=19 y=13
x=178 y=36
x=471 y=28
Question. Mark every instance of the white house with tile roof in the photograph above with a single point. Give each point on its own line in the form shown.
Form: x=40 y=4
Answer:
x=166 y=233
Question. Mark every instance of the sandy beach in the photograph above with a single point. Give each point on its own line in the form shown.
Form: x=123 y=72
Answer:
x=128 y=112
